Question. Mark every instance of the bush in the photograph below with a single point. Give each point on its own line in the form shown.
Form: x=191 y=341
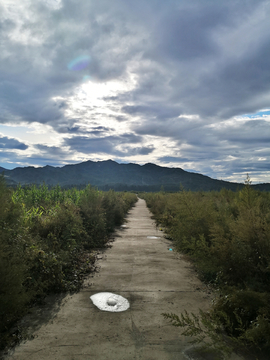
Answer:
x=93 y=216
x=114 y=210
x=240 y=312
x=13 y=269
x=227 y=235
x=47 y=239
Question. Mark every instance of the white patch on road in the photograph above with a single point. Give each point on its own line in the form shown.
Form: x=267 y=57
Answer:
x=153 y=237
x=107 y=301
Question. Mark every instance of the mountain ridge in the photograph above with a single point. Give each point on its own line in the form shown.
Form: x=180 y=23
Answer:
x=110 y=174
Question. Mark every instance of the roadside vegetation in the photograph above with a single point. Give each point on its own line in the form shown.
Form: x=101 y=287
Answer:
x=227 y=236
x=48 y=242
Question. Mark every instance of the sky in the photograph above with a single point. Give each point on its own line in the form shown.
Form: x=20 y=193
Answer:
x=177 y=83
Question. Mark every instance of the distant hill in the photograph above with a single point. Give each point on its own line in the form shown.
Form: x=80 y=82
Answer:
x=111 y=175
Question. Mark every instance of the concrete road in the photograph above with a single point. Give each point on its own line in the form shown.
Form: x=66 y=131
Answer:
x=140 y=267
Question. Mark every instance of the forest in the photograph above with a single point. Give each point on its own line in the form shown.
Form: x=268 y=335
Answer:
x=49 y=239
x=226 y=235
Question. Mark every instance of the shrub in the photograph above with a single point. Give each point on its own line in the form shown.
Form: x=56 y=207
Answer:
x=93 y=216
x=228 y=236
x=240 y=310
x=13 y=269
x=46 y=241
x=114 y=211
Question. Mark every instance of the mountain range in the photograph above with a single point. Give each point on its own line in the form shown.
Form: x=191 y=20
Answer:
x=110 y=175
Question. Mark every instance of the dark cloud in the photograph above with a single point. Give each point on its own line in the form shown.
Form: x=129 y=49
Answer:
x=138 y=110
x=51 y=150
x=233 y=88
x=102 y=145
x=155 y=110
x=255 y=132
x=120 y=118
x=8 y=156
x=110 y=145
x=185 y=33
x=140 y=151
x=181 y=130
x=8 y=143
x=95 y=130
x=70 y=130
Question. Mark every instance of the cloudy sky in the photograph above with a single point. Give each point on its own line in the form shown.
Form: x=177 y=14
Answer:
x=179 y=83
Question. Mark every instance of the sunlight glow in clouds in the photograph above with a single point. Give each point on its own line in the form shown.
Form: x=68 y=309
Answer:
x=93 y=100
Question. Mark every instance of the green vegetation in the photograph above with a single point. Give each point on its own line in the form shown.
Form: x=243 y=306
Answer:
x=48 y=242
x=227 y=236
